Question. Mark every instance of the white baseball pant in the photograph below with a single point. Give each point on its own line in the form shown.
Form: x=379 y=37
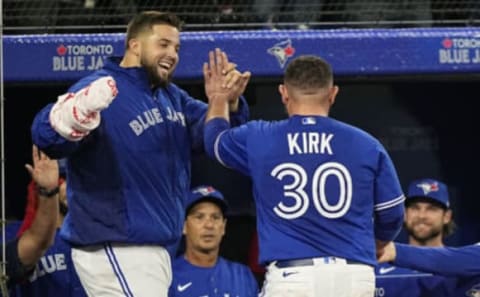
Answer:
x=116 y=270
x=325 y=277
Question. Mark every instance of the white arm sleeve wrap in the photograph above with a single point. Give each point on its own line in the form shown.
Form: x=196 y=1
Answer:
x=74 y=115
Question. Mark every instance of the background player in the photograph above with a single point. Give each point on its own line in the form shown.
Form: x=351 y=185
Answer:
x=200 y=271
x=317 y=185
x=23 y=253
x=428 y=220
x=129 y=164
x=54 y=274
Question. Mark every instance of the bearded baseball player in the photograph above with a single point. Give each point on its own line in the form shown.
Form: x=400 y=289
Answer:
x=428 y=220
x=325 y=191
x=128 y=133
x=200 y=271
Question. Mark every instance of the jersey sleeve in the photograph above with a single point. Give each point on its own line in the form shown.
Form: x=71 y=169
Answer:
x=389 y=199
x=16 y=271
x=195 y=113
x=439 y=260
x=227 y=146
x=46 y=138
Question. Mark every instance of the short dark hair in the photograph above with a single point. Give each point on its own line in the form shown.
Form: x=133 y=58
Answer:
x=145 y=20
x=308 y=72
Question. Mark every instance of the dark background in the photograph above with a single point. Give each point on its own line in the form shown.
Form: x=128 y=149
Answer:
x=428 y=125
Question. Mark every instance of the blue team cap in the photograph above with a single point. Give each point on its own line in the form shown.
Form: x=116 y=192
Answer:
x=430 y=189
x=206 y=193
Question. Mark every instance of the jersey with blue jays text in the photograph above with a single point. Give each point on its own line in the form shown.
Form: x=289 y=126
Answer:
x=393 y=281
x=53 y=276
x=462 y=263
x=225 y=279
x=127 y=180
x=318 y=183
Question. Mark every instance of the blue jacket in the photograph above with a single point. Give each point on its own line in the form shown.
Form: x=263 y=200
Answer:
x=127 y=180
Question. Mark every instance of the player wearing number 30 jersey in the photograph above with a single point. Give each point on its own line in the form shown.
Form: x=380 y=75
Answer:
x=324 y=190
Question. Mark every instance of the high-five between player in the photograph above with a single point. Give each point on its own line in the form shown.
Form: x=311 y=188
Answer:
x=128 y=134
x=324 y=190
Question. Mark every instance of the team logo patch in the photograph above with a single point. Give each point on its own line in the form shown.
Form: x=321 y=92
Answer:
x=427 y=187
x=282 y=51
x=309 y=121
x=205 y=191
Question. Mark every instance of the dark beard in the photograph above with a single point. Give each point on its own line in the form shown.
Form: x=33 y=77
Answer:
x=424 y=239
x=153 y=78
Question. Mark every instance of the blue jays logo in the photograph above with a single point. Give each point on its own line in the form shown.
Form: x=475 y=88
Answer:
x=427 y=188
x=474 y=291
x=282 y=51
x=204 y=190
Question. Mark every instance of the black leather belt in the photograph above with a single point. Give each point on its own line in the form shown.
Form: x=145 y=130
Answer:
x=307 y=262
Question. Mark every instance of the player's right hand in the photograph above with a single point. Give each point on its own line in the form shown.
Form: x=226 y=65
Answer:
x=386 y=251
x=98 y=95
x=75 y=115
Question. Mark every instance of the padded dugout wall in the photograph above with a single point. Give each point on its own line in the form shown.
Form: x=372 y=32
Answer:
x=412 y=88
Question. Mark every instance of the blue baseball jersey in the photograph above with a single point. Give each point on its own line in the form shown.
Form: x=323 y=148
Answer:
x=14 y=268
x=225 y=279
x=127 y=180
x=321 y=187
x=54 y=275
x=462 y=263
x=393 y=281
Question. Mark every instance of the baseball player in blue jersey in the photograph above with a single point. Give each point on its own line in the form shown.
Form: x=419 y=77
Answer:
x=22 y=253
x=200 y=271
x=54 y=274
x=325 y=191
x=463 y=263
x=428 y=219
x=128 y=134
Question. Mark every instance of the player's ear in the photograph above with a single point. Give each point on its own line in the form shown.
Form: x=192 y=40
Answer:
x=333 y=94
x=224 y=226
x=134 y=46
x=282 y=89
x=184 y=231
x=447 y=217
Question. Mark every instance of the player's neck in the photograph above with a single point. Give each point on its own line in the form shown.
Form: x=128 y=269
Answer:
x=307 y=109
x=129 y=60
x=201 y=259
x=433 y=242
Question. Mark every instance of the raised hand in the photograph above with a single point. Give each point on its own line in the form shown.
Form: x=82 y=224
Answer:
x=222 y=80
x=44 y=170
